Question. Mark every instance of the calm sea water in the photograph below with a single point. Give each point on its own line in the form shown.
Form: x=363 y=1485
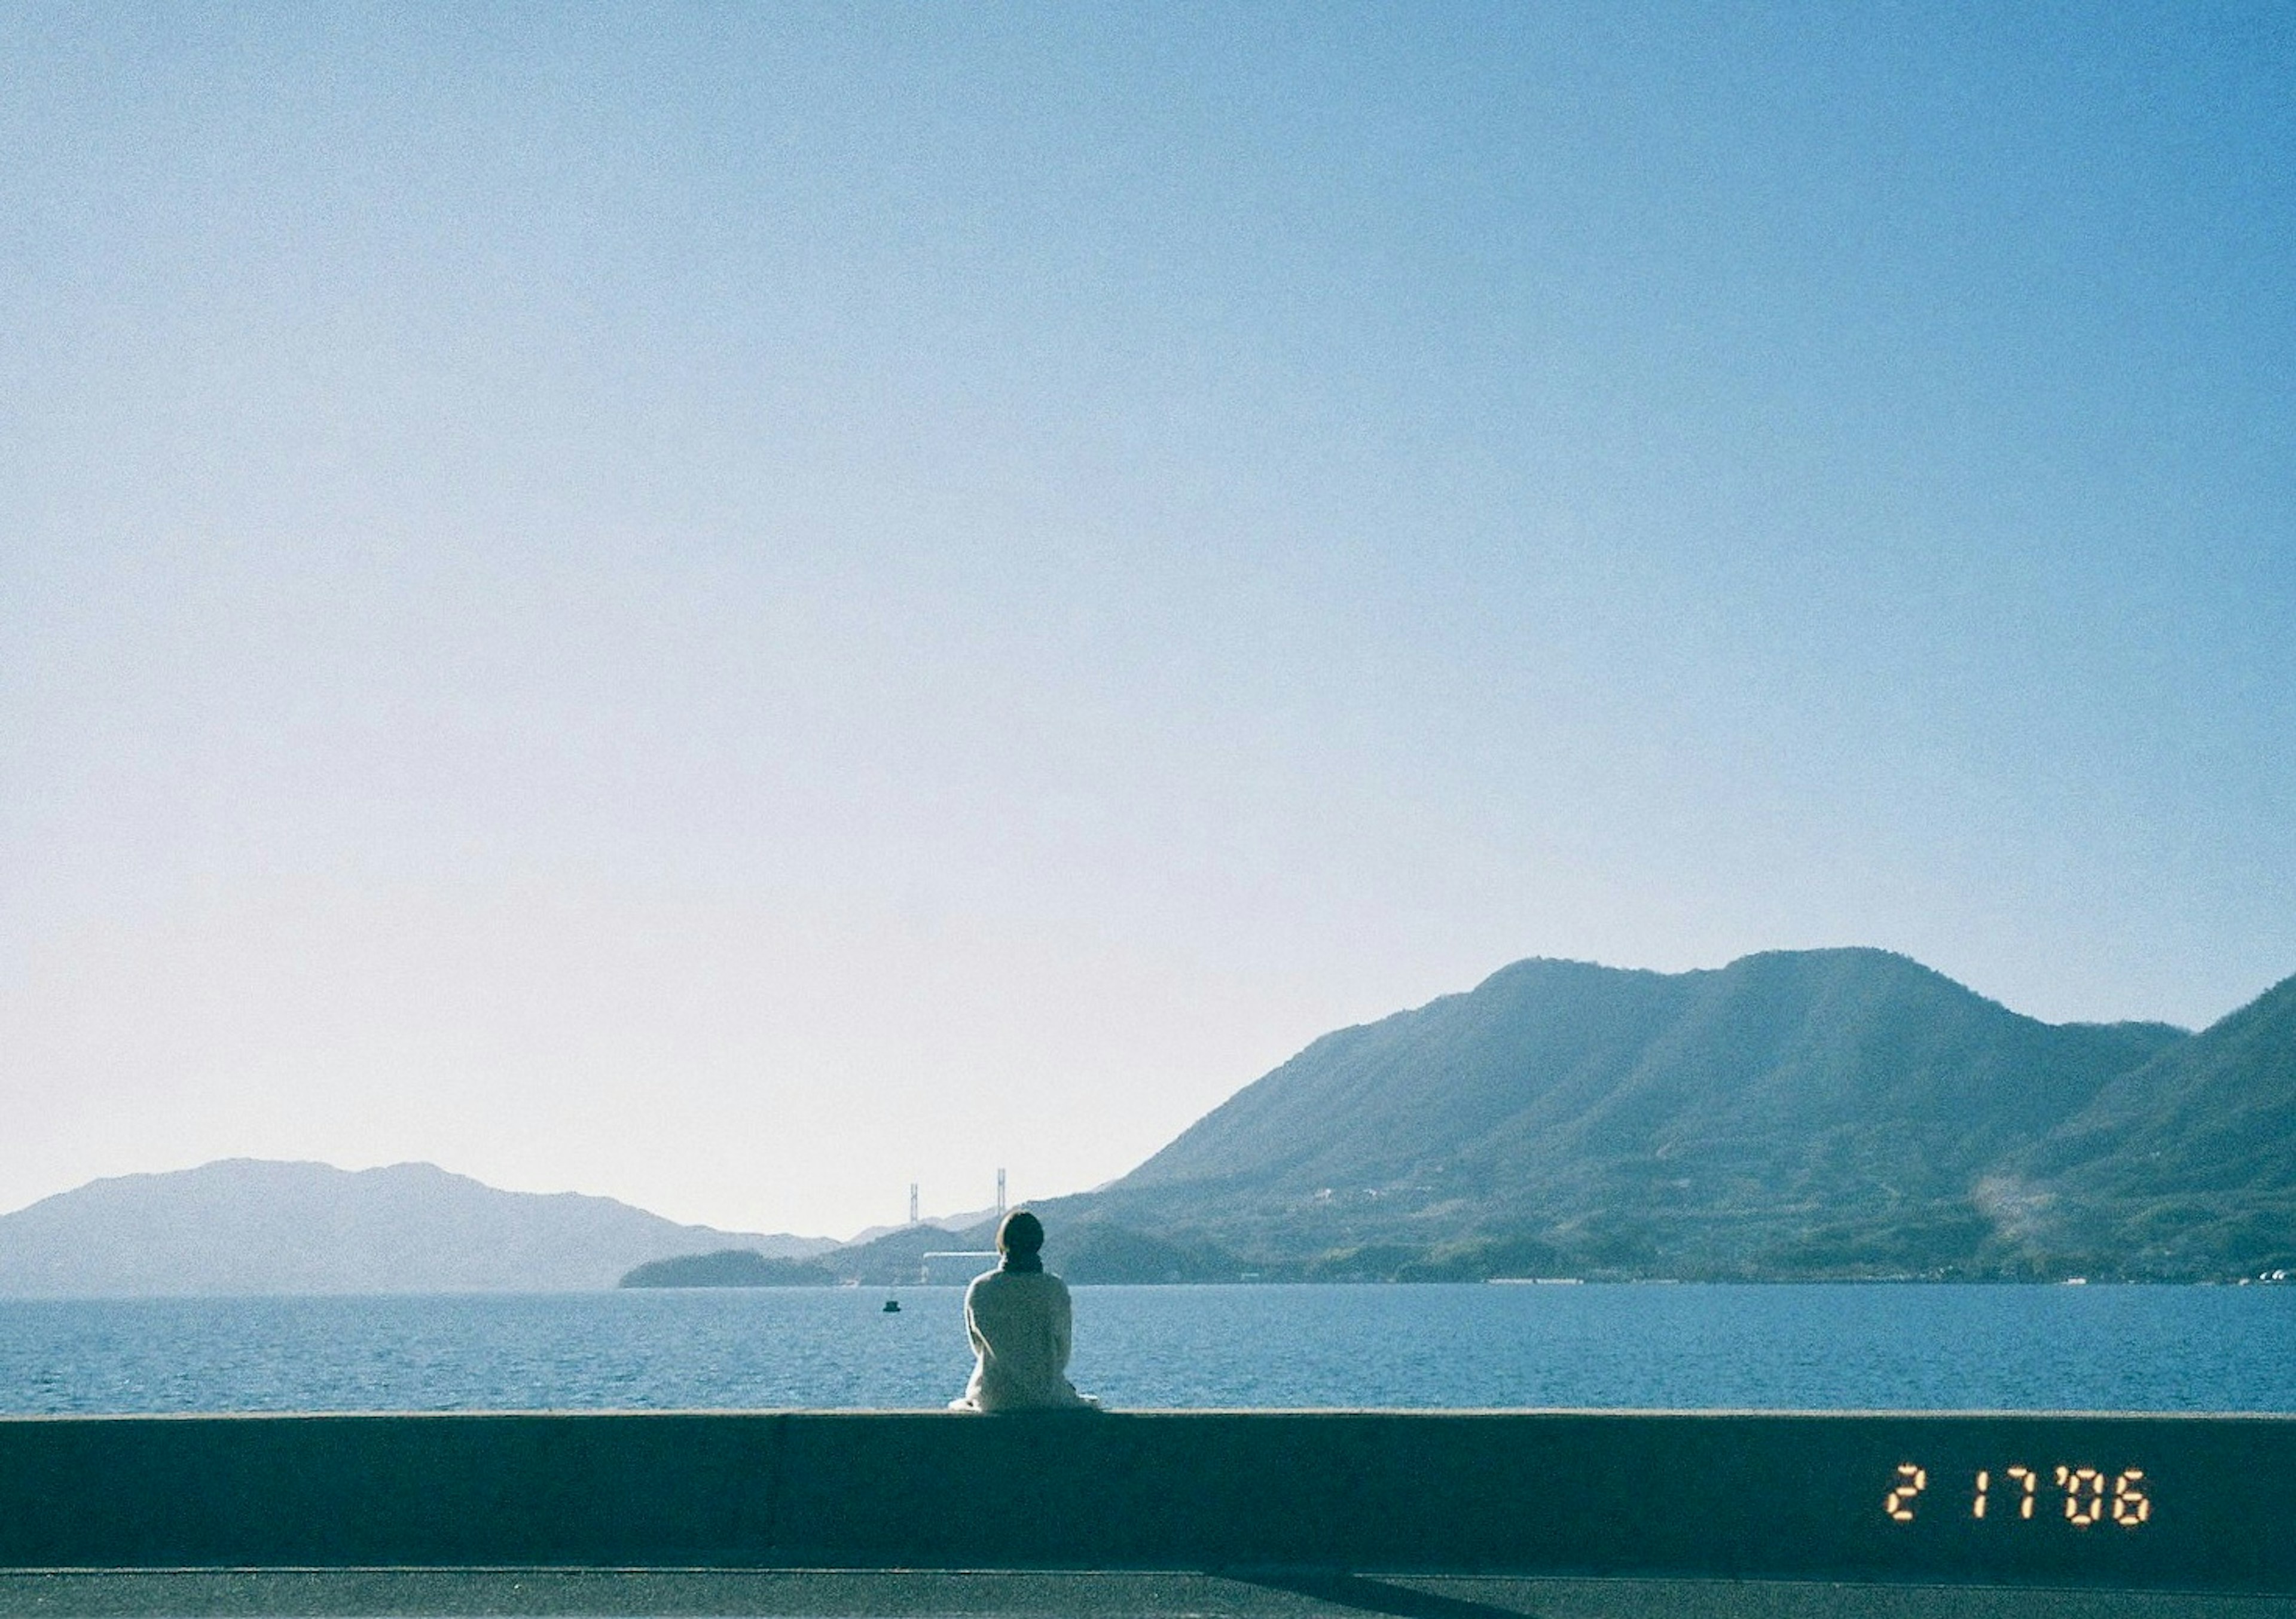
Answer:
x=1817 y=1348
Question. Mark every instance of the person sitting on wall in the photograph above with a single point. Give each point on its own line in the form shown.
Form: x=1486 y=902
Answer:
x=1017 y=1316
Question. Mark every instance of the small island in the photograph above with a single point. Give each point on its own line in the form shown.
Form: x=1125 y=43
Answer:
x=728 y=1268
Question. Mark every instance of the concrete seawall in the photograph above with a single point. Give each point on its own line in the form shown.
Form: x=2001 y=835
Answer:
x=2128 y=1502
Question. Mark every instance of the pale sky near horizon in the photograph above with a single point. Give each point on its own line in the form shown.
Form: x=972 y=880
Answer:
x=735 y=607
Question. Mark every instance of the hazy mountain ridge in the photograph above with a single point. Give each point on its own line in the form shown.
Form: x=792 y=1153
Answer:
x=1794 y=1114
x=728 y=1268
x=248 y=1226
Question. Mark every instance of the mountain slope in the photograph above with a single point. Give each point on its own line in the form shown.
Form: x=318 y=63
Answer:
x=1839 y=1111
x=2215 y=1113
x=245 y=1226
x=2191 y=1156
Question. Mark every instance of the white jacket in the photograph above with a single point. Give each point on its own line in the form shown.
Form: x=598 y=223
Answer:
x=1019 y=1322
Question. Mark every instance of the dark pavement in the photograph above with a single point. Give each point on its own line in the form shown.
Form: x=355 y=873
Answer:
x=843 y=1595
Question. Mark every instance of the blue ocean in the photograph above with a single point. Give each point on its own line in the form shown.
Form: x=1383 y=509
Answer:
x=1687 y=1347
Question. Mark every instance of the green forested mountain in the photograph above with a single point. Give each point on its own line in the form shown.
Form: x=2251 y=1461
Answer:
x=1839 y=1112
x=2188 y=1162
x=728 y=1268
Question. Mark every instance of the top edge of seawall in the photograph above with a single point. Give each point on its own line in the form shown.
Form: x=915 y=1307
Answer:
x=1176 y=1413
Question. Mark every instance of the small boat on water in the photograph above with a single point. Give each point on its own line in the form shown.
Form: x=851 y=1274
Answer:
x=892 y=1306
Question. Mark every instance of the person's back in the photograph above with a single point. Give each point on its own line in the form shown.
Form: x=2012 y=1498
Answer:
x=1018 y=1317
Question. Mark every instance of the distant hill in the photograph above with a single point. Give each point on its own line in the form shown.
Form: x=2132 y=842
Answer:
x=728 y=1268
x=948 y=1224
x=898 y=1256
x=1794 y=1114
x=2189 y=1161
x=248 y=1226
x=1094 y=1250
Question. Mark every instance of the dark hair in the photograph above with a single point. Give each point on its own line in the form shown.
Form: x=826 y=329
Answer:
x=1021 y=1235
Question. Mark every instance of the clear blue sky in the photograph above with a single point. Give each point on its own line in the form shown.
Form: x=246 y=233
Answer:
x=736 y=606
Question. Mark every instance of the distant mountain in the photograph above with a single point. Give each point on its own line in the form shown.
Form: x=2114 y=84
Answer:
x=898 y=1256
x=728 y=1268
x=2187 y=1161
x=1801 y=1113
x=945 y=1223
x=1093 y=1250
x=1795 y=1114
x=245 y=1226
